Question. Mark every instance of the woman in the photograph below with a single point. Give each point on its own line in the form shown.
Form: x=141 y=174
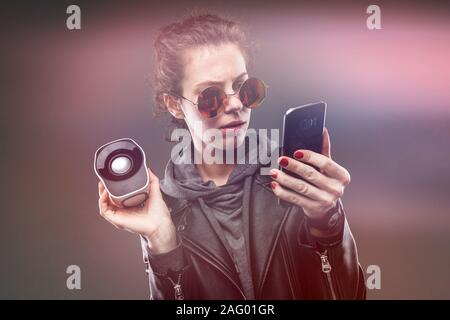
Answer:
x=218 y=231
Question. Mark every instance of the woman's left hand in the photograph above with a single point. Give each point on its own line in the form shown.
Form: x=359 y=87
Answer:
x=319 y=191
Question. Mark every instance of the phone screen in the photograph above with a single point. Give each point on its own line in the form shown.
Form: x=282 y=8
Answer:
x=303 y=128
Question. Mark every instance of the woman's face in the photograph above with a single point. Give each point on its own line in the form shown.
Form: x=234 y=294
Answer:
x=223 y=66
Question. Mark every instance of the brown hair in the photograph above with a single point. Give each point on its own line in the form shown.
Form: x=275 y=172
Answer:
x=196 y=30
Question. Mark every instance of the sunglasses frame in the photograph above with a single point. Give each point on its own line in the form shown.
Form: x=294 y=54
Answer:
x=227 y=94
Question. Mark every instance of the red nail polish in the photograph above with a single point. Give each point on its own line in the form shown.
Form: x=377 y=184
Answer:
x=284 y=162
x=274 y=175
x=273 y=185
x=298 y=154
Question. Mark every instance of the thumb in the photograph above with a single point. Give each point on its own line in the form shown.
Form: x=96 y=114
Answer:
x=326 y=144
x=153 y=184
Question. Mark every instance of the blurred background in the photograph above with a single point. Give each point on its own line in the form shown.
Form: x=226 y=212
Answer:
x=64 y=93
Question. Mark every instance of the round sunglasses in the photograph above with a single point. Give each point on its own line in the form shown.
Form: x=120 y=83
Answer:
x=211 y=101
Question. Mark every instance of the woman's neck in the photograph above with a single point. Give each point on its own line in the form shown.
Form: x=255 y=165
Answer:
x=216 y=172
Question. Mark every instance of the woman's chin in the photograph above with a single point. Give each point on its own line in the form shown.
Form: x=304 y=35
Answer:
x=230 y=142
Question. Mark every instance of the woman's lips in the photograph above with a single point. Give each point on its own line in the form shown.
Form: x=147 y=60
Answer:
x=233 y=126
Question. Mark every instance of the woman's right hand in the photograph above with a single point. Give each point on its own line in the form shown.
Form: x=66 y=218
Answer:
x=152 y=220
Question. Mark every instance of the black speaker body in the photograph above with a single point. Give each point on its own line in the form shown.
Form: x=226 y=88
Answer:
x=121 y=166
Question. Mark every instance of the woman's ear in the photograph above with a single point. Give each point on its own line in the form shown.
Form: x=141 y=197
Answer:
x=173 y=105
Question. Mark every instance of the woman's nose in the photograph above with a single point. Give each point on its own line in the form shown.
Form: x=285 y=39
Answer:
x=233 y=103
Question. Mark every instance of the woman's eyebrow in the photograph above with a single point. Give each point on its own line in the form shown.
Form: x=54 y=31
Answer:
x=201 y=84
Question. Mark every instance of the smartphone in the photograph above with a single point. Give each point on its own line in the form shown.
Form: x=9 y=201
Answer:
x=303 y=129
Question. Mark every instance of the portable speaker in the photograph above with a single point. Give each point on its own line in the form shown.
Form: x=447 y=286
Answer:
x=121 y=166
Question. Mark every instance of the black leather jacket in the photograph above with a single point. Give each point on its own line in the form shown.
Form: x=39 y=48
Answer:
x=286 y=261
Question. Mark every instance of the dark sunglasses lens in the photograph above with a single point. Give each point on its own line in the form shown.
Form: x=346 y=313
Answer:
x=252 y=93
x=210 y=101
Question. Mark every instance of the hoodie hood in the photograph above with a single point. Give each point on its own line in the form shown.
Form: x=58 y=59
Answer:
x=182 y=180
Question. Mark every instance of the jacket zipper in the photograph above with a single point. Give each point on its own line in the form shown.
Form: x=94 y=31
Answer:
x=326 y=269
x=177 y=287
x=216 y=266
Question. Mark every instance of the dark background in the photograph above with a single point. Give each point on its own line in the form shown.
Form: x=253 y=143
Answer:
x=64 y=93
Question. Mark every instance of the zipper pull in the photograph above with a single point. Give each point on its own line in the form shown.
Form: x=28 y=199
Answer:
x=326 y=266
x=177 y=287
x=178 y=292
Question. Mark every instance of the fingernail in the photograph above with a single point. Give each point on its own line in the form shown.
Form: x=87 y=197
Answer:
x=284 y=162
x=274 y=174
x=273 y=185
x=298 y=154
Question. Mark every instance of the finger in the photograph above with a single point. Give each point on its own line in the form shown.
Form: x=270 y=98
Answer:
x=326 y=166
x=105 y=208
x=153 y=184
x=104 y=204
x=116 y=218
x=302 y=187
x=294 y=198
x=326 y=144
x=101 y=187
x=130 y=221
x=313 y=176
x=110 y=212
